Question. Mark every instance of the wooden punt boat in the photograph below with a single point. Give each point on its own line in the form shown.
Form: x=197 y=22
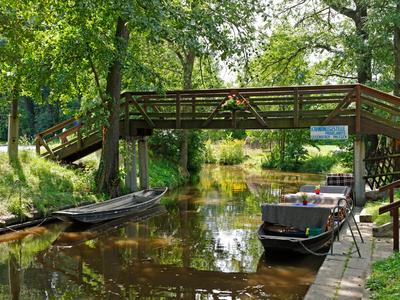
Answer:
x=273 y=242
x=325 y=214
x=114 y=208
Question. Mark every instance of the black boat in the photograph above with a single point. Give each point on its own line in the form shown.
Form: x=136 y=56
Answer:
x=277 y=243
x=302 y=228
x=114 y=208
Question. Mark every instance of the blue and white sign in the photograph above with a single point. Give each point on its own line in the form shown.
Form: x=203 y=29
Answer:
x=340 y=132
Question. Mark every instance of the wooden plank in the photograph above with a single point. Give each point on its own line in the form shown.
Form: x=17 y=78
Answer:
x=379 y=119
x=382 y=157
x=296 y=108
x=345 y=102
x=178 y=111
x=381 y=174
x=57 y=127
x=389 y=207
x=256 y=115
x=393 y=185
x=380 y=95
x=376 y=104
x=141 y=111
x=126 y=119
x=311 y=88
x=46 y=146
x=212 y=115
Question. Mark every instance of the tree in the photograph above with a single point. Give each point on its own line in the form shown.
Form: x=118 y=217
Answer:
x=199 y=28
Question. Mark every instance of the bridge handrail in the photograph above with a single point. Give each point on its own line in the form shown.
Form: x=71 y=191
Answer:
x=295 y=106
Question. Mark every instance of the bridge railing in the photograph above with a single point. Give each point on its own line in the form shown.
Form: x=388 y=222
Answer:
x=59 y=136
x=272 y=107
x=294 y=107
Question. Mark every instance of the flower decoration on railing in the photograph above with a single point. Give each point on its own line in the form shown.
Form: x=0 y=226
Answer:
x=235 y=102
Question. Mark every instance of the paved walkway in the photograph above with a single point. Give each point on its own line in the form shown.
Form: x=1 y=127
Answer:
x=343 y=275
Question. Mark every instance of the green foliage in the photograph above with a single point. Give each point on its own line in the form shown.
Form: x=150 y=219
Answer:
x=384 y=281
x=165 y=144
x=209 y=153
x=44 y=185
x=319 y=164
x=231 y=152
x=196 y=151
x=164 y=173
x=289 y=150
x=372 y=207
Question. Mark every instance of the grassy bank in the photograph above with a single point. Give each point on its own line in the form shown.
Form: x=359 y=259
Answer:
x=34 y=183
x=384 y=281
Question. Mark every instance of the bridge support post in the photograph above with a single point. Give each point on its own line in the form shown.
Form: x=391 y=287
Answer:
x=359 y=171
x=143 y=163
x=130 y=165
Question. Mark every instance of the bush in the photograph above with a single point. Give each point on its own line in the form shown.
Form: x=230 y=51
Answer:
x=163 y=173
x=318 y=164
x=209 y=153
x=231 y=152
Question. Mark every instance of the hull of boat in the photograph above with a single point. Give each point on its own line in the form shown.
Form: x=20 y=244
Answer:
x=112 y=209
x=273 y=243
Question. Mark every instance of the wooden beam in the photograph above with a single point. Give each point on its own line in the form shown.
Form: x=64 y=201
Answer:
x=343 y=104
x=296 y=108
x=212 y=115
x=393 y=185
x=46 y=146
x=141 y=111
x=178 y=111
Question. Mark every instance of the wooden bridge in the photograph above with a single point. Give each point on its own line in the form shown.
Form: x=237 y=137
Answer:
x=365 y=110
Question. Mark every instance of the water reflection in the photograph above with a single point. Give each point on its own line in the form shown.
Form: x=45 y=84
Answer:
x=203 y=247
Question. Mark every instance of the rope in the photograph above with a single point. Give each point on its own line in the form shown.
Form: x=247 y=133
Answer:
x=312 y=252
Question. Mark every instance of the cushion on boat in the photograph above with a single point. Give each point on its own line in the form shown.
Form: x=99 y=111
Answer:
x=298 y=216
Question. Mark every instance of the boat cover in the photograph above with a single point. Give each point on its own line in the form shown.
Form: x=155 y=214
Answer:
x=296 y=215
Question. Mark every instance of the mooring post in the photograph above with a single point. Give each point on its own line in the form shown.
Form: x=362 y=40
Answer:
x=130 y=165
x=143 y=163
x=359 y=171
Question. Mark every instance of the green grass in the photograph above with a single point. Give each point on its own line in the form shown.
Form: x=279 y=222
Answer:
x=384 y=281
x=36 y=183
x=373 y=207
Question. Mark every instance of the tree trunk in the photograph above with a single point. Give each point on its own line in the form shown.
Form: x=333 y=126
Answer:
x=396 y=88
x=396 y=44
x=364 y=63
x=108 y=180
x=30 y=109
x=13 y=127
x=187 y=65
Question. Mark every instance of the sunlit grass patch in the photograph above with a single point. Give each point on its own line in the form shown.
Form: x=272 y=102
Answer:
x=384 y=281
x=32 y=182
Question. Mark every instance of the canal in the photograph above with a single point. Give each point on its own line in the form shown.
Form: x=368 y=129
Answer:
x=201 y=245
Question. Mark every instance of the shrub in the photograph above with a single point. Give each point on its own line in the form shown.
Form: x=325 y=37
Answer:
x=319 y=164
x=231 y=152
x=209 y=153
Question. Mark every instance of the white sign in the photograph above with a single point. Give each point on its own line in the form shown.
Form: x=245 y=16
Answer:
x=340 y=132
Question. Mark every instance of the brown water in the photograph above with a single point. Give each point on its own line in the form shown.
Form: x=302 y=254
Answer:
x=203 y=246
